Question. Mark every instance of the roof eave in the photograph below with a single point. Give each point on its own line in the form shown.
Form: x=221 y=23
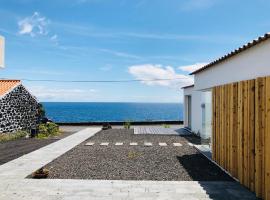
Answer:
x=234 y=52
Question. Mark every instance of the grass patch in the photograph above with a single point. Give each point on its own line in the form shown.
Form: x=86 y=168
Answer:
x=12 y=136
x=133 y=154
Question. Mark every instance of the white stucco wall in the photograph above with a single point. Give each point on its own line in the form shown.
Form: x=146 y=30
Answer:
x=196 y=113
x=249 y=64
x=2 y=51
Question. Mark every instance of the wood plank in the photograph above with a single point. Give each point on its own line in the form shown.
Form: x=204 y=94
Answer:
x=263 y=129
x=240 y=131
x=267 y=140
x=251 y=139
x=246 y=135
x=213 y=124
x=259 y=135
x=235 y=131
x=231 y=115
x=217 y=145
x=221 y=127
x=226 y=126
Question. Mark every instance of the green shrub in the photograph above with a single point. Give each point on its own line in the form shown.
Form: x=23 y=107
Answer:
x=12 y=136
x=127 y=124
x=47 y=129
x=41 y=111
x=166 y=125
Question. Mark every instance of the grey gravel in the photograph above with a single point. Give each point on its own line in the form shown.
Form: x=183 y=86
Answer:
x=135 y=162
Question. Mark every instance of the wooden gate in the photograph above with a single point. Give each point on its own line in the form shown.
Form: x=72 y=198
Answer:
x=241 y=132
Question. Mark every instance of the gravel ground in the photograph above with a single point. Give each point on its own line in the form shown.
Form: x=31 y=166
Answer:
x=16 y=148
x=135 y=162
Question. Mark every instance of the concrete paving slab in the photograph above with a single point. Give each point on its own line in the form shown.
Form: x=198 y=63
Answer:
x=163 y=144
x=177 y=144
x=104 y=143
x=147 y=144
x=89 y=144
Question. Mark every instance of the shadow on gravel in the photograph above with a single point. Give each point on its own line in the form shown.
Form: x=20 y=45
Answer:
x=226 y=190
x=215 y=182
x=201 y=169
x=193 y=139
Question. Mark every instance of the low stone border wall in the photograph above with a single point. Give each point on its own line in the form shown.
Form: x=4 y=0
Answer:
x=121 y=123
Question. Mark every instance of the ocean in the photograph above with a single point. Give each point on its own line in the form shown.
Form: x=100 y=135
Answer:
x=102 y=112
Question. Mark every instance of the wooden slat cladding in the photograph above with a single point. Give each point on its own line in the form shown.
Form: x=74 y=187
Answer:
x=241 y=130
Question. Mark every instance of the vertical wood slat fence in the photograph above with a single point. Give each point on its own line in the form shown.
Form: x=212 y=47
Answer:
x=241 y=132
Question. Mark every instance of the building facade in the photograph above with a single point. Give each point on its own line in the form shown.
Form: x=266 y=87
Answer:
x=2 y=51
x=250 y=61
x=230 y=104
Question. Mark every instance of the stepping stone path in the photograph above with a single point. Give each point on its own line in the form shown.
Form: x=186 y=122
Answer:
x=148 y=144
x=89 y=144
x=162 y=144
x=177 y=144
x=104 y=144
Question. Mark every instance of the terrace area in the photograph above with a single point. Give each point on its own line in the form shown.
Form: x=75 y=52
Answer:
x=119 y=164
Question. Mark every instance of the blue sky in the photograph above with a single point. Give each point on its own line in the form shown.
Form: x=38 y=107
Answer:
x=120 y=40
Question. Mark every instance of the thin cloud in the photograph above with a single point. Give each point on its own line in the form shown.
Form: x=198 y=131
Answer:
x=151 y=71
x=33 y=25
x=120 y=54
x=192 y=68
x=54 y=94
x=96 y=32
x=54 y=39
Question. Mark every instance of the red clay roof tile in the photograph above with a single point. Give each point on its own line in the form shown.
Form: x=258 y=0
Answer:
x=6 y=85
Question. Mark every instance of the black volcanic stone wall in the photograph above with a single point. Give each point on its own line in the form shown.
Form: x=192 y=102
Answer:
x=18 y=111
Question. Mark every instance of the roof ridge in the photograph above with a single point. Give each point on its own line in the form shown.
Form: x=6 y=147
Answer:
x=235 y=51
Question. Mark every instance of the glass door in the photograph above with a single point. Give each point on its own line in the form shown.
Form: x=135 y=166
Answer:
x=207 y=115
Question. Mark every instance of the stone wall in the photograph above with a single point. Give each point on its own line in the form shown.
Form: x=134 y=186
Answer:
x=18 y=110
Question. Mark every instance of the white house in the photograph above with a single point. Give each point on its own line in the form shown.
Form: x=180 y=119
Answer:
x=250 y=61
x=2 y=51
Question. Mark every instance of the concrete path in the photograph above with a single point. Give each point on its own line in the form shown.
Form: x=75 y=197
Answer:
x=140 y=190
x=14 y=185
